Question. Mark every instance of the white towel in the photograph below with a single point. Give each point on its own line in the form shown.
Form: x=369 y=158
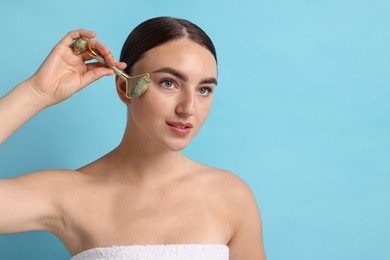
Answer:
x=157 y=252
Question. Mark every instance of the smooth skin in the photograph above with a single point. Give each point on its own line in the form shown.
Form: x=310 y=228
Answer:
x=144 y=191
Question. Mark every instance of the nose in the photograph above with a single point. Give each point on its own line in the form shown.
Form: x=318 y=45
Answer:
x=186 y=106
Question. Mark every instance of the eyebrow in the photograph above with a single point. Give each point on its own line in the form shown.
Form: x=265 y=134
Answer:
x=183 y=77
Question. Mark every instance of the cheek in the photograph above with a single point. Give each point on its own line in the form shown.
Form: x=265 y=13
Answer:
x=205 y=108
x=150 y=105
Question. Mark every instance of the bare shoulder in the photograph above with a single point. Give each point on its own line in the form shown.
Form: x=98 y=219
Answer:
x=230 y=191
x=241 y=209
x=233 y=188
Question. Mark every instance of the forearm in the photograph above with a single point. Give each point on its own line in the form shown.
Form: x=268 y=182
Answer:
x=17 y=107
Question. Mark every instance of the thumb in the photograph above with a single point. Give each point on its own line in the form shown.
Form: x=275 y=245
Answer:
x=95 y=74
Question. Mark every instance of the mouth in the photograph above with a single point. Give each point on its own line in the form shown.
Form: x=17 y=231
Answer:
x=180 y=128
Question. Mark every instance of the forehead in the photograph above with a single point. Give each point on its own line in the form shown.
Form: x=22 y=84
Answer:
x=182 y=54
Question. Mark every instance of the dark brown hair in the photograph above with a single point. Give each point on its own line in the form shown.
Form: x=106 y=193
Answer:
x=159 y=30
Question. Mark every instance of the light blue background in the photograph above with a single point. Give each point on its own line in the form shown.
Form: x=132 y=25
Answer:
x=301 y=113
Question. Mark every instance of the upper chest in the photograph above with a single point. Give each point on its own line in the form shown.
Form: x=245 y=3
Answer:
x=180 y=213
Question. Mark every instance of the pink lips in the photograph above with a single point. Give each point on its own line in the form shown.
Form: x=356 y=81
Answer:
x=180 y=128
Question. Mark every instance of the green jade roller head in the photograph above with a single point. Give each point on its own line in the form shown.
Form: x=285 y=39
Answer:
x=81 y=46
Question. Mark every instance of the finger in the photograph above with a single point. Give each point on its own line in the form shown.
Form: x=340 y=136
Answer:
x=96 y=72
x=73 y=35
x=121 y=65
x=104 y=51
x=95 y=65
x=86 y=57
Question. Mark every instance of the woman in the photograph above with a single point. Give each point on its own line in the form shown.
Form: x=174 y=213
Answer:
x=143 y=199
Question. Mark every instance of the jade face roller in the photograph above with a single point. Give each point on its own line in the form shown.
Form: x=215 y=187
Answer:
x=81 y=46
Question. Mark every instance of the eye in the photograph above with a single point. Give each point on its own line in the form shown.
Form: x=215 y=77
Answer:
x=205 y=91
x=169 y=84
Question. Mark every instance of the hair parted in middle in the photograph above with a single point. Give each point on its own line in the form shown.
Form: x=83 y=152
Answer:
x=156 y=31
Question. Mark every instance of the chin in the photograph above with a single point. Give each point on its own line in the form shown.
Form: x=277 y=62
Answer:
x=178 y=146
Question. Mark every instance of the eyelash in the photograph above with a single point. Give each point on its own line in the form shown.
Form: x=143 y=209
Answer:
x=209 y=90
x=165 y=81
x=162 y=83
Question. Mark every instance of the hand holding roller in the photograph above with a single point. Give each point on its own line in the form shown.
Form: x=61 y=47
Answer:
x=82 y=46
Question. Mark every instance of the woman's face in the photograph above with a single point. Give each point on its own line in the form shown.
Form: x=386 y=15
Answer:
x=175 y=106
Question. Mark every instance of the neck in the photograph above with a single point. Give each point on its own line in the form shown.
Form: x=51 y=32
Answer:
x=141 y=161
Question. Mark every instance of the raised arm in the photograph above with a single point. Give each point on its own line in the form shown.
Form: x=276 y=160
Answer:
x=29 y=202
x=60 y=76
x=32 y=201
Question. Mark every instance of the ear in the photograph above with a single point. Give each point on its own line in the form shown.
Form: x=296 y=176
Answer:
x=121 y=89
